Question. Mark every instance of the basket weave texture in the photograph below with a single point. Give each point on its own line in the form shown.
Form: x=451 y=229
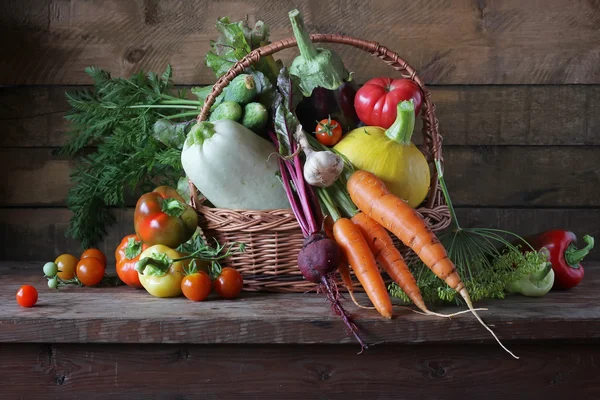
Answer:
x=273 y=237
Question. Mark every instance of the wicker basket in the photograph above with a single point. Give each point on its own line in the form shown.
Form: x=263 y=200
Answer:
x=273 y=237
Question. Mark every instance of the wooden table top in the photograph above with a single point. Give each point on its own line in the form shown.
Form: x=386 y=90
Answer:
x=125 y=315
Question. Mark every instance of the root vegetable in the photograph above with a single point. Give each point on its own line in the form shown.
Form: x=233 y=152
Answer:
x=372 y=197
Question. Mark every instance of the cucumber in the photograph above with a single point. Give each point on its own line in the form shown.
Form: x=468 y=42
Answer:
x=255 y=117
x=242 y=89
x=227 y=110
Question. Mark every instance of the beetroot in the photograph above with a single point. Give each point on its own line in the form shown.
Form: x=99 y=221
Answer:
x=318 y=260
x=320 y=256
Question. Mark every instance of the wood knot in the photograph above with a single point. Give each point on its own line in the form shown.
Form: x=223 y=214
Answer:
x=183 y=354
x=59 y=380
x=436 y=370
x=324 y=375
x=134 y=56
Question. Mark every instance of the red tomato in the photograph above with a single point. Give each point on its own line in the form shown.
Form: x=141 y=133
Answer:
x=328 y=132
x=94 y=253
x=66 y=264
x=90 y=271
x=196 y=286
x=229 y=283
x=27 y=296
x=376 y=100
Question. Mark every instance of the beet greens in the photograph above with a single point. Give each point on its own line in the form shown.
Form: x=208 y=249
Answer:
x=320 y=256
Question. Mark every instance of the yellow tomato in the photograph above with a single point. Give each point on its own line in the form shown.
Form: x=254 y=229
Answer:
x=66 y=264
x=165 y=283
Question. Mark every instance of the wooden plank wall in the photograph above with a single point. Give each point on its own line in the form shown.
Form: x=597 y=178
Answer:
x=517 y=86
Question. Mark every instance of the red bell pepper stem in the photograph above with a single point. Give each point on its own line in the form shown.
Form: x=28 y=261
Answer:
x=173 y=207
x=573 y=255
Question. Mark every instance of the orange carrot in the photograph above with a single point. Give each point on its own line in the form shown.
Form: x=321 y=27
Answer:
x=371 y=196
x=343 y=268
x=389 y=257
x=357 y=251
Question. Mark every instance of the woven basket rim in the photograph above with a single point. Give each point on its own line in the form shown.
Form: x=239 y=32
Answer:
x=432 y=140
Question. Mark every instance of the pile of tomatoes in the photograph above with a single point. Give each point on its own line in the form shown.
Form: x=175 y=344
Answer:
x=165 y=256
x=87 y=270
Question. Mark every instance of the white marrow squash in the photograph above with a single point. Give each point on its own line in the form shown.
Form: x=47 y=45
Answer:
x=233 y=167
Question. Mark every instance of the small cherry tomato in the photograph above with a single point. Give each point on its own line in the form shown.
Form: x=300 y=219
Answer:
x=50 y=269
x=53 y=283
x=229 y=283
x=94 y=253
x=196 y=286
x=66 y=264
x=328 y=132
x=90 y=271
x=27 y=296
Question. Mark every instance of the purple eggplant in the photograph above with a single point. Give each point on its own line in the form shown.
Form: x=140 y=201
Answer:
x=339 y=104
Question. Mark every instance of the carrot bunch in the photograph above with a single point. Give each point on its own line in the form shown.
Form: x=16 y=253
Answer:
x=365 y=242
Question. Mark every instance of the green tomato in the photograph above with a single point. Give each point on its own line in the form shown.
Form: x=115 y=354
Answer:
x=50 y=269
x=53 y=283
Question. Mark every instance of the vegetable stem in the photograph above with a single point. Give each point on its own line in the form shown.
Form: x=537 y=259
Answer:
x=440 y=172
x=173 y=207
x=305 y=45
x=540 y=275
x=182 y=115
x=573 y=255
x=329 y=205
x=159 y=106
x=181 y=101
x=402 y=129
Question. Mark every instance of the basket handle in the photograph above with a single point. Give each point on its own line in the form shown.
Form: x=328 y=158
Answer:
x=431 y=136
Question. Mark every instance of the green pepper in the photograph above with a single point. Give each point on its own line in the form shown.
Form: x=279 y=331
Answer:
x=536 y=284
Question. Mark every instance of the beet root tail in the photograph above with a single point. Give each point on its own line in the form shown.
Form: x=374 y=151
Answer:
x=334 y=297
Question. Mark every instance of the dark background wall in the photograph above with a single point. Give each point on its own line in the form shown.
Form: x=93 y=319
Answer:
x=516 y=83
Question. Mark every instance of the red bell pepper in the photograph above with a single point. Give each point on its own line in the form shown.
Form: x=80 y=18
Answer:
x=163 y=217
x=127 y=255
x=564 y=255
x=377 y=100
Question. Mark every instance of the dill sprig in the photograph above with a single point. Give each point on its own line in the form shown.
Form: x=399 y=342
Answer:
x=111 y=137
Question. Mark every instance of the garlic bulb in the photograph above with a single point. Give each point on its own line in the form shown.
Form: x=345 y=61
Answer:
x=321 y=168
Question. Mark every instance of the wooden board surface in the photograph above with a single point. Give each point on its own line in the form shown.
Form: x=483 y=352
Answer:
x=125 y=315
x=469 y=115
x=494 y=176
x=48 y=371
x=39 y=233
x=462 y=42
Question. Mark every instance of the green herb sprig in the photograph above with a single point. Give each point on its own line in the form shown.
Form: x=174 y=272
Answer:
x=112 y=139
